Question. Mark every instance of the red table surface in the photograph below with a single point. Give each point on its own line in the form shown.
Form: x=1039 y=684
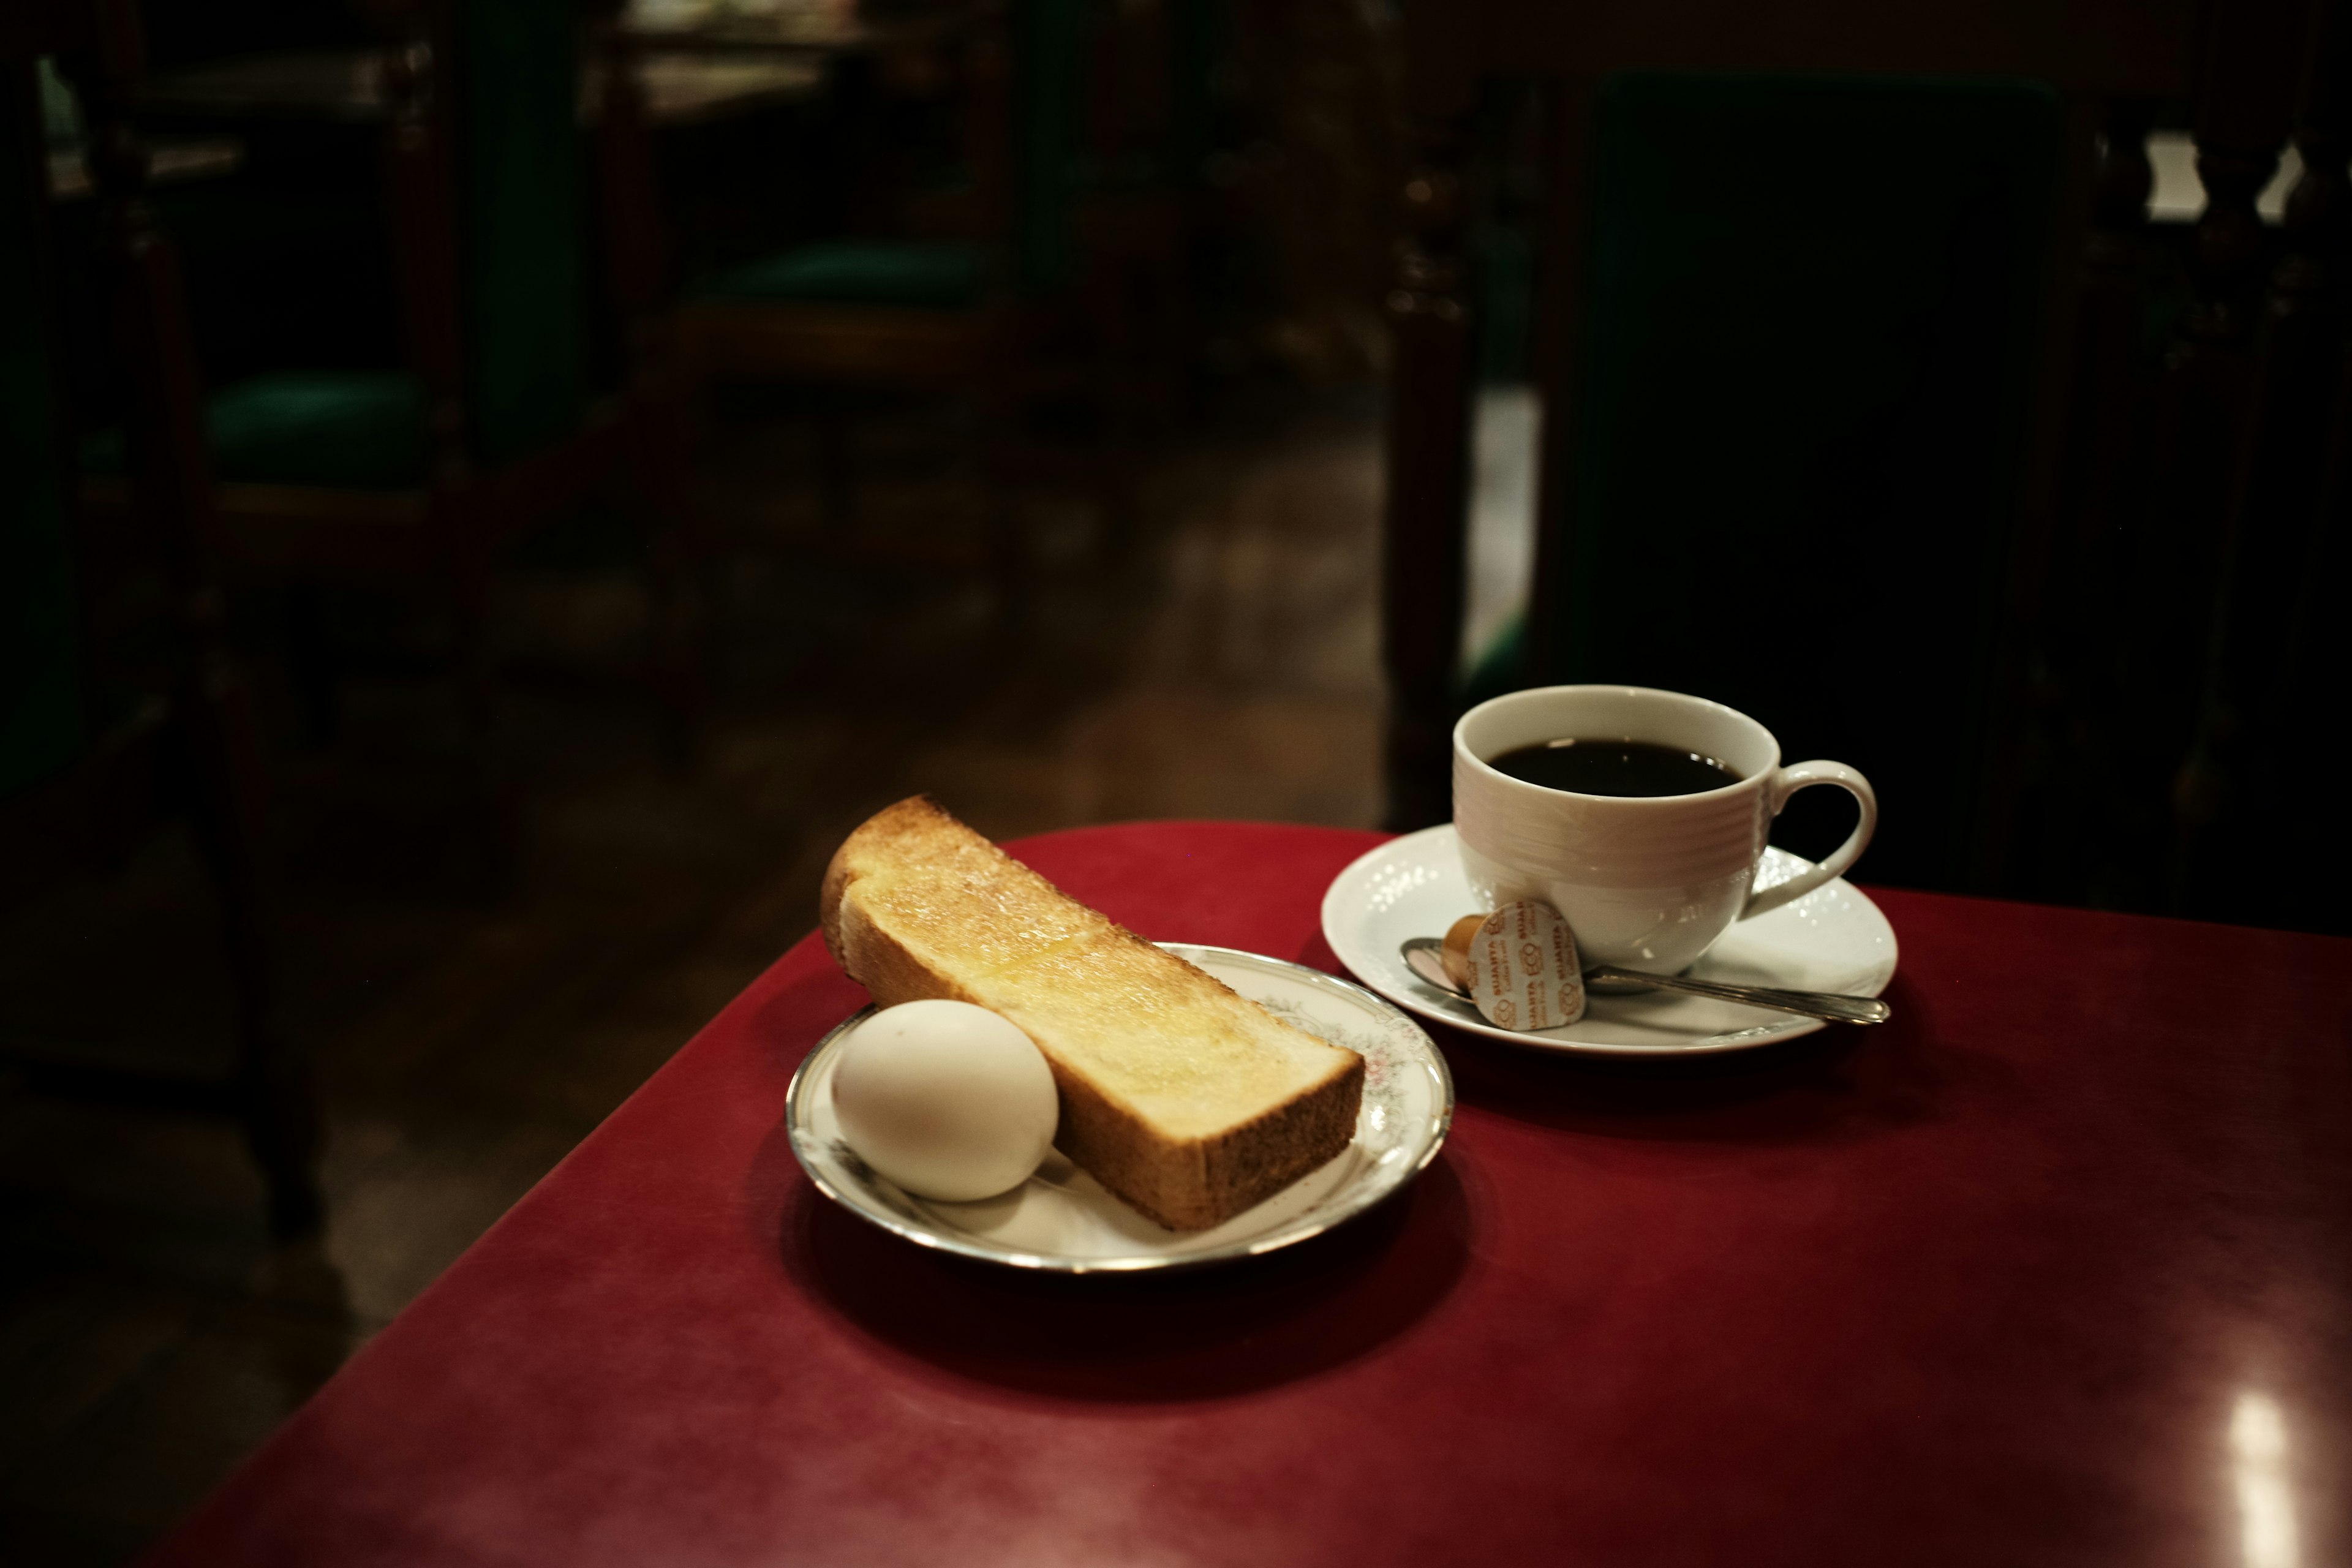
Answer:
x=2052 y=1269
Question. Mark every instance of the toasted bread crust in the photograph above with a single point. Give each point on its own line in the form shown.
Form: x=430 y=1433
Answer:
x=1184 y=1183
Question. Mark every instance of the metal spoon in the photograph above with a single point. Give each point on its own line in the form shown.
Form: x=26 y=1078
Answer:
x=1421 y=955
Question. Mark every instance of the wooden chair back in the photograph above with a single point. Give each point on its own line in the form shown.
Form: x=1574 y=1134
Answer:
x=42 y=718
x=48 y=716
x=76 y=787
x=487 y=173
x=1050 y=51
x=1621 y=555
x=1806 y=345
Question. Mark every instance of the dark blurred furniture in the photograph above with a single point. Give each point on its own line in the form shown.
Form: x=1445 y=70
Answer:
x=1139 y=214
x=971 y=300
x=1829 y=286
x=679 y=88
x=168 y=163
x=881 y=308
x=106 y=727
x=494 y=424
x=1778 y=386
x=822 y=32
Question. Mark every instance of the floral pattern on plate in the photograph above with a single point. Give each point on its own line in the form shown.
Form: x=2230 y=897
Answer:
x=1062 y=1220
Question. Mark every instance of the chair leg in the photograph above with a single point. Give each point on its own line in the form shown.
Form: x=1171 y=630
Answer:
x=278 y=1111
x=493 y=849
x=836 y=480
x=1116 y=492
x=1117 y=476
x=994 y=432
x=272 y=1090
x=470 y=601
x=678 y=564
x=315 y=664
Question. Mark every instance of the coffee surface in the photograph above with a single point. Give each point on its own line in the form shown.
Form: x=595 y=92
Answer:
x=1614 y=767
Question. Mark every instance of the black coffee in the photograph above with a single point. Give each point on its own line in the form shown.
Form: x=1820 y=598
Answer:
x=1614 y=767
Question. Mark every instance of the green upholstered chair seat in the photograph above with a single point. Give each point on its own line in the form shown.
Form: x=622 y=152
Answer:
x=346 y=429
x=861 y=273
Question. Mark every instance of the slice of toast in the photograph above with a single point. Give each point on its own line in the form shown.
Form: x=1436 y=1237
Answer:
x=1188 y=1102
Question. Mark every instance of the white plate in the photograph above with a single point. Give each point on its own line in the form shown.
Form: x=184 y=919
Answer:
x=1833 y=939
x=1061 y=1219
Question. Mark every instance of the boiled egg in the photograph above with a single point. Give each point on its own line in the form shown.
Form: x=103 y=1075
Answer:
x=946 y=1099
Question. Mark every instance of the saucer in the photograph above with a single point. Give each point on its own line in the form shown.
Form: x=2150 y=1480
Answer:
x=1061 y=1221
x=1833 y=939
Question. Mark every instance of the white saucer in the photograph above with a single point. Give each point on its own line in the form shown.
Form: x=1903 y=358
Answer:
x=1062 y=1220
x=1833 y=939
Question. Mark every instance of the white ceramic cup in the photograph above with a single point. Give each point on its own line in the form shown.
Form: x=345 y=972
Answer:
x=1647 y=882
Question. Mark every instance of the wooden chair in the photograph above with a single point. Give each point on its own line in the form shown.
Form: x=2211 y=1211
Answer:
x=95 y=749
x=493 y=426
x=1905 y=531
x=1137 y=213
x=985 y=316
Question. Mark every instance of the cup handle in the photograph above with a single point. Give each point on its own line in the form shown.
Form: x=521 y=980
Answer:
x=1788 y=781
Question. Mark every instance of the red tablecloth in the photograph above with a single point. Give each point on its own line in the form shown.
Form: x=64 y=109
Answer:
x=2055 y=1268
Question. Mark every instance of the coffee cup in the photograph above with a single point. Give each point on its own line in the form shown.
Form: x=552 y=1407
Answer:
x=1647 y=882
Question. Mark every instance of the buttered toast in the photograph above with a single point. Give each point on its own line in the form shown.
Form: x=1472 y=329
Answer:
x=1186 y=1101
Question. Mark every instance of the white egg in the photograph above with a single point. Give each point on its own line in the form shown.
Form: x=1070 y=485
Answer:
x=948 y=1099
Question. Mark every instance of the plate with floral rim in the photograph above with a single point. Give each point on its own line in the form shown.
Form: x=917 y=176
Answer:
x=1061 y=1220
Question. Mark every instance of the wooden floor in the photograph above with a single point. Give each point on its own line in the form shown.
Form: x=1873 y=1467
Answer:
x=1222 y=665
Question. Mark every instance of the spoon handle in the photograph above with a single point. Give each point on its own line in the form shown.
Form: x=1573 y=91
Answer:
x=1820 y=1005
